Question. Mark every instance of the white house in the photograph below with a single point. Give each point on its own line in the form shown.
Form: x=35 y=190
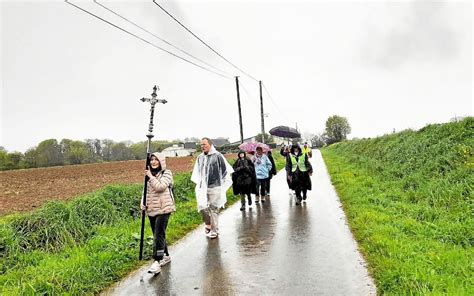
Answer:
x=177 y=151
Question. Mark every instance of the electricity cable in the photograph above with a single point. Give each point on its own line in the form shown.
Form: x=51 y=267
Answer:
x=146 y=41
x=248 y=94
x=158 y=37
x=208 y=46
x=273 y=102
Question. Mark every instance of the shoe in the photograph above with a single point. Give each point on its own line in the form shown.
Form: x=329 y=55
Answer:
x=298 y=201
x=155 y=267
x=165 y=260
x=257 y=199
x=207 y=230
x=263 y=199
x=242 y=208
x=304 y=198
x=212 y=234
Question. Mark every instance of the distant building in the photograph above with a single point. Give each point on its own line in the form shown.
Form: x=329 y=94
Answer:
x=190 y=145
x=246 y=140
x=278 y=141
x=220 y=142
x=457 y=118
x=179 y=150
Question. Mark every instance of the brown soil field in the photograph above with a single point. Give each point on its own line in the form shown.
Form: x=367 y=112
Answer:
x=26 y=190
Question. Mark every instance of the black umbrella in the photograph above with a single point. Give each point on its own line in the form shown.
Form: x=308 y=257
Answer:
x=285 y=132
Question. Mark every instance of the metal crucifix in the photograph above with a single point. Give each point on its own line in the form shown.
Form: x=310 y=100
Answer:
x=152 y=101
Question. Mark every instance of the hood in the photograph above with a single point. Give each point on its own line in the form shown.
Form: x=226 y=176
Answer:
x=242 y=151
x=293 y=147
x=212 y=150
x=161 y=158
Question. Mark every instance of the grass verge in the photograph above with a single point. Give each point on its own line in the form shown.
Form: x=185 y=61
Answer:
x=409 y=201
x=83 y=246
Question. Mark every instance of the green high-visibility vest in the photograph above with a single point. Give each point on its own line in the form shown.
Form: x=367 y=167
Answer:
x=298 y=164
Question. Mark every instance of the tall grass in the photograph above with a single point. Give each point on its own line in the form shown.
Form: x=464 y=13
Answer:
x=81 y=247
x=409 y=201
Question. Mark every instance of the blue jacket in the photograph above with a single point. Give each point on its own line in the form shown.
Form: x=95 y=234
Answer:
x=262 y=166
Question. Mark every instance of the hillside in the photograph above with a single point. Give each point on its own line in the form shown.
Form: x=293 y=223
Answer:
x=409 y=197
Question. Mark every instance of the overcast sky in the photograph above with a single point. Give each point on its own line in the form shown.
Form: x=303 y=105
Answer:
x=382 y=65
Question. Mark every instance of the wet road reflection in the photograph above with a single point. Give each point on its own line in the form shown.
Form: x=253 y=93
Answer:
x=255 y=230
x=274 y=248
x=215 y=278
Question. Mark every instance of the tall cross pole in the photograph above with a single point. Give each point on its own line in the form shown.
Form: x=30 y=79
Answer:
x=153 y=100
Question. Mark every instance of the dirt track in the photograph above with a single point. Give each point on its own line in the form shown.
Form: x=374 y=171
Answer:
x=25 y=190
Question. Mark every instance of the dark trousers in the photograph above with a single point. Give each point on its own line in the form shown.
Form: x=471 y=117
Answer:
x=262 y=187
x=158 y=225
x=267 y=189
x=298 y=191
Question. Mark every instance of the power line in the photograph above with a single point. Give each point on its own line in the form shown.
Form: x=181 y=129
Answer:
x=158 y=37
x=208 y=46
x=277 y=110
x=148 y=42
x=248 y=94
x=276 y=106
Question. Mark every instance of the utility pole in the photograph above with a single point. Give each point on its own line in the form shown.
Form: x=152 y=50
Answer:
x=261 y=112
x=240 y=111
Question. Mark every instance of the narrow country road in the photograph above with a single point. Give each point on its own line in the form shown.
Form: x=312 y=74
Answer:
x=276 y=248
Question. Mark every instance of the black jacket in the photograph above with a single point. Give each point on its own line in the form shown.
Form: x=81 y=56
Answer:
x=244 y=180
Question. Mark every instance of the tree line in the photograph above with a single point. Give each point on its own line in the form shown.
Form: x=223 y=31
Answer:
x=67 y=152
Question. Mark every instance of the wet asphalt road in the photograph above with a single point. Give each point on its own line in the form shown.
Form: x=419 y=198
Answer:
x=275 y=248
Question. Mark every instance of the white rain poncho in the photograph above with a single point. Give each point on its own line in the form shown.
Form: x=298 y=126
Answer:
x=209 y=171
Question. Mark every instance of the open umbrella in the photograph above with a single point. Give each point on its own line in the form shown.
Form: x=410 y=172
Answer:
x=285 y=132
x=252 y=146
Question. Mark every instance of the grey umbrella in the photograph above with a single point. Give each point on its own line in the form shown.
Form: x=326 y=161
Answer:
x=285 y=132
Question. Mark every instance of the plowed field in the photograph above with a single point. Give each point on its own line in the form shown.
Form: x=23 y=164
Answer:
x=25 y=190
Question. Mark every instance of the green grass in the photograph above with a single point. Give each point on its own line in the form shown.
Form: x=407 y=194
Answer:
x=83 y=246
x=409 y=201
x=279 y=159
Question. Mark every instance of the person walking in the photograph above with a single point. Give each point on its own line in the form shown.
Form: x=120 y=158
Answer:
x=285 y=151
x=307 y=150
x=212 y=176
x=244 y=181
x=262 y=170
x=159 y=206
x=301 y=170
x=272 y=172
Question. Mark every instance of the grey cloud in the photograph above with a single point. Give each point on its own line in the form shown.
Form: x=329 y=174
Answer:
x=419 y=32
